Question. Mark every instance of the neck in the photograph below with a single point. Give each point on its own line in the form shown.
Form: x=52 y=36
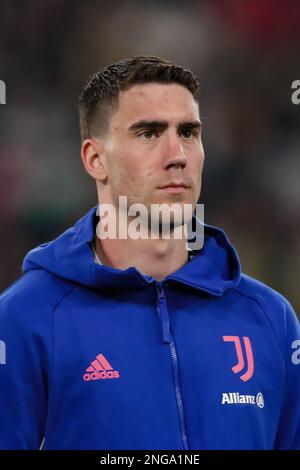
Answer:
x=154 y=257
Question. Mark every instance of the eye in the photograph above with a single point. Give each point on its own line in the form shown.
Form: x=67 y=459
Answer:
x=147 y=135
x=189 y=133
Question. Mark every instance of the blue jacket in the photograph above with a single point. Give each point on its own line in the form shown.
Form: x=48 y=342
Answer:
x=98 y=358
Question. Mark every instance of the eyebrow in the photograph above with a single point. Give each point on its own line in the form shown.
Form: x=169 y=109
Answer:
x=162 y=125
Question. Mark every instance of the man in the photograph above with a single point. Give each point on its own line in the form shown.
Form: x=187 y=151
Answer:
x=137 y=343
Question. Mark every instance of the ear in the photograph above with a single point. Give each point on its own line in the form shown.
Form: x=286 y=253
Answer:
x=92 y=154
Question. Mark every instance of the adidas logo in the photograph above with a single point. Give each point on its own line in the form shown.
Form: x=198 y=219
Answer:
x=100 y=368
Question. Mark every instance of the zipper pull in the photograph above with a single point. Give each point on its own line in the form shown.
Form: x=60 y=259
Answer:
x=164 y=314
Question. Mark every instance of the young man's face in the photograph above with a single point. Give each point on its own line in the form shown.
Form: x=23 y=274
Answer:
x=153 y=148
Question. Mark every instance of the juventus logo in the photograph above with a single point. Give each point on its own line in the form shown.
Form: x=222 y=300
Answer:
x=240 y=365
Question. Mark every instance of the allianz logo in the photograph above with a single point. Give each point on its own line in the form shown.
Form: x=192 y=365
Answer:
x=234 y=398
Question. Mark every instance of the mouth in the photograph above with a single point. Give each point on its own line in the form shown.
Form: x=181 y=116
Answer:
x=174 y=187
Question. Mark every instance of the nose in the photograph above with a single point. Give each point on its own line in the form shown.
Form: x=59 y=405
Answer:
x=173 y=153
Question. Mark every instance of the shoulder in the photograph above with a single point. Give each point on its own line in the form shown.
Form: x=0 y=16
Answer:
x=273 y=306
x=33 y=296
x=261 y=293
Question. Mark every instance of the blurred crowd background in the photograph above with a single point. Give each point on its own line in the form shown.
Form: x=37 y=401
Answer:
x=246 y=56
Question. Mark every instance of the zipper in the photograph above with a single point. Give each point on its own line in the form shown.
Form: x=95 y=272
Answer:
x=163 y=312
x=178 y=394
x=168 y=338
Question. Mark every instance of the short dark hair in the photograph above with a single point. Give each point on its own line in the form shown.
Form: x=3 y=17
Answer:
x=99 y=97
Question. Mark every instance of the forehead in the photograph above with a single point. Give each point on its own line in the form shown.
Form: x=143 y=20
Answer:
x=156 y=101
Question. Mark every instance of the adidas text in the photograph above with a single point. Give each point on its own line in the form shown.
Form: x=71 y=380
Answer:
x=111 y=374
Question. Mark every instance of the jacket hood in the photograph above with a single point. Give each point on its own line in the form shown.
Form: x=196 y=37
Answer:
x=214 y=268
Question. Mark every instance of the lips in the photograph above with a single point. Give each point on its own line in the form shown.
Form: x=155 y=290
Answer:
x=174 y=184
x=174 y=187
